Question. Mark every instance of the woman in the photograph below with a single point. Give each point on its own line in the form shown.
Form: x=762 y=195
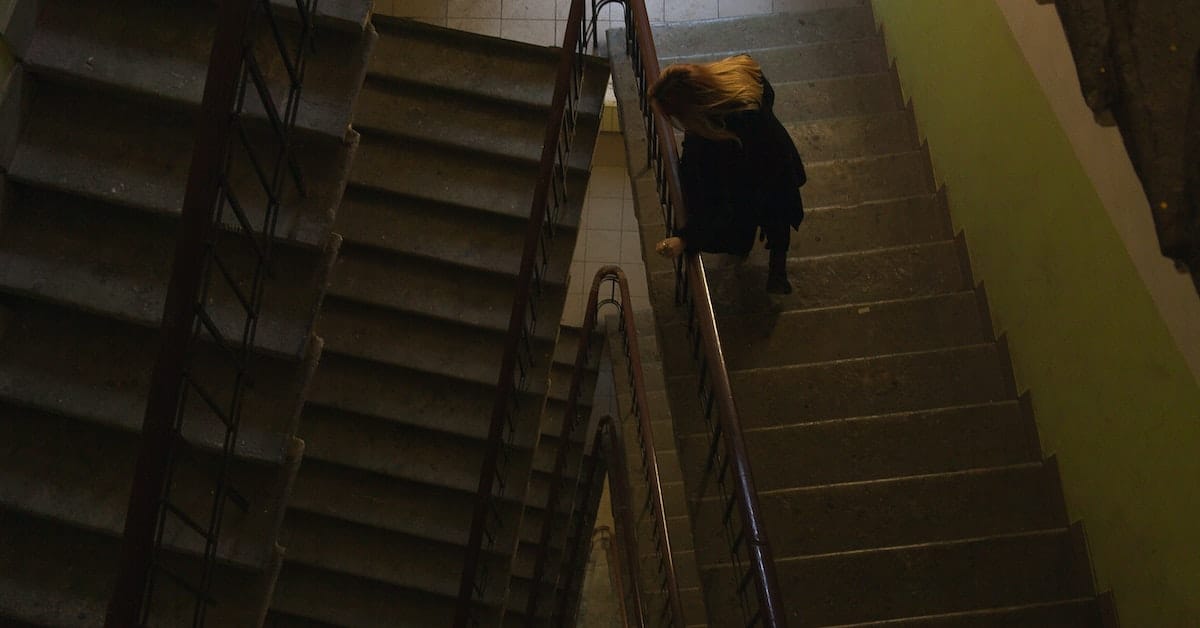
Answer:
x=741 y=172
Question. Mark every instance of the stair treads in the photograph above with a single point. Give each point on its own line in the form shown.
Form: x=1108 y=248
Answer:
x=55 y=575
x=856 y=331
x=872 y=225
x=401 y=451
x=807 y=62
x=386 y=557
x=852 y=181
x=386 y=502
x=916 y=580
x=854 y=136
x=328 y=598
x=85 y=482
x=414 y=52
x=1077 y=613
x=110 y=260
x=855 y=95
x=881 y=447
x=731 y=36
x=465 y=119
x=98 y=370
x=854 y=388
x=426 y=287
x=826 y=281
x=162 y=52
x=461 y=236
x=127 y=152
x=890 y=513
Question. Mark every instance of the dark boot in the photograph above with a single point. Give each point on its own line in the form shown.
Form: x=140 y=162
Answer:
x=777 y=281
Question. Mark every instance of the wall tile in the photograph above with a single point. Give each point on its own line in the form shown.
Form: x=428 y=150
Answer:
x=734 y=8
x=681 y=10
x=419 y=8
x=529 y=9
x=473 y=8
x=540 y=32
x=483 y=26
x=604 y=213
x=607 y=182
x=631 y=247
x=603 y=245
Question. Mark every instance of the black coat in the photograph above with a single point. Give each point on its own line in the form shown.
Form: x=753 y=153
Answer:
x=732 y=190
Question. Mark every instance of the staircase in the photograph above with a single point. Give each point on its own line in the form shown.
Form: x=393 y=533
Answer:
x=96 y=132
x=898 y=468
x=433 y=224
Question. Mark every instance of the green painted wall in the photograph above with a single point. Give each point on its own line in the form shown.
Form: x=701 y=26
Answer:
x=1113 y=397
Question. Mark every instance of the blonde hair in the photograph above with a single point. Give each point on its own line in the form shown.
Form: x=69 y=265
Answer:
x=699 y=96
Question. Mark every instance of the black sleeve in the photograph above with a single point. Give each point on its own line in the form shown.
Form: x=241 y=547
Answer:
x=697 y=229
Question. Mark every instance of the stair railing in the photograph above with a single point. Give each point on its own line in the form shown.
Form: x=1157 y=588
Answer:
x=727 y=456
x=579 y=547
x=550 y=199
x=214 y=219
x=612 y=281
x=616 y=565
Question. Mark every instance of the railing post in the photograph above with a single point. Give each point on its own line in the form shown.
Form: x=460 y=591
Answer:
x=196 y=222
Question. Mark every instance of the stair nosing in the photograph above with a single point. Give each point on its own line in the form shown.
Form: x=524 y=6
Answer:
x=900 y=621
x=750 y=51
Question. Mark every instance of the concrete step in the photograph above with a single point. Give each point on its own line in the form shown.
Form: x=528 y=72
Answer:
x=806 y=62
x=850 y=95
x=413 y=52
x=859 y=387
x=844 y=182
x=855 y=136
x=124 y=151
x=434 y=289
x=826 y=281
x=941 y=441
x=322 y=597
x=112 y=261
x=467 y=178
x=730 y=36
x=807 y=336
x=96 y=370
x=371 y=499
x=404 y=452
x=916 y=580
x=55 y=575
x=460 y=236
x=873 y=225
x=162 y=53
x=894 y=512
x=83 y=481
x=514 y=130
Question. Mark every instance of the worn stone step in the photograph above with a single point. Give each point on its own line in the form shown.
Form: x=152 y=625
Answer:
x=56 y=575
x=730 y=36
x=946 y=440
x=367 y=498
x=466 y=237
x=162 y=52
x=417 y=398
x=107 y=259
x=438 y=290
x=419 y=53
x=825 y=334
x=857 y=387
x=803 y=62
x=826 y=281
x=854 y=136
x=886 y=513
x=403 y=451
x=97 y=370
x=340 y=599
x=373 y=553
x=873 y=225
x=430 y=113
x=1077 y=613
x=850 y=95
x=467 y=178
x=844 y=182
x=80 y=474
x=125 y=152
x=916 y=580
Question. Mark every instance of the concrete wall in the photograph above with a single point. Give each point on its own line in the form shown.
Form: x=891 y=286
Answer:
x=1096 y=325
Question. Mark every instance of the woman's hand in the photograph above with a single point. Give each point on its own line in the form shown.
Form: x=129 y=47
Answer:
x=671 y=247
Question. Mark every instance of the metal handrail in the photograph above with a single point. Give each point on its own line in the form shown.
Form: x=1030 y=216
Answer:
x=583 y=519
x=618 y=296
x=549 y=201
x=189 y=319
x=715 y=391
